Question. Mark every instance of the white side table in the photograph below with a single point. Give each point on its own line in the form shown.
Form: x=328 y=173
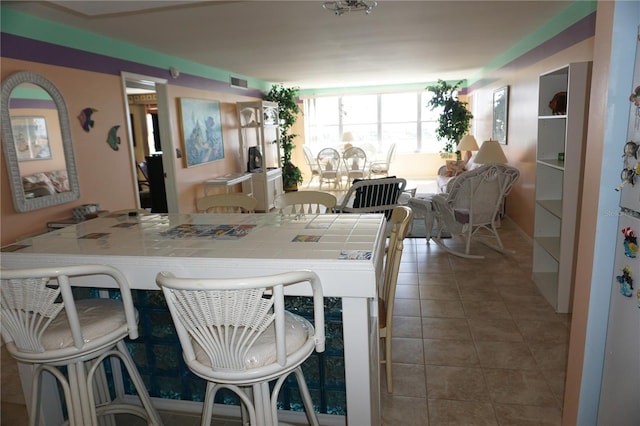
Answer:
x=421 y=206
x=229 y=180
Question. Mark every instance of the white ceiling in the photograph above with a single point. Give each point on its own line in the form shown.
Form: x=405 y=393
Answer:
x=298 y=43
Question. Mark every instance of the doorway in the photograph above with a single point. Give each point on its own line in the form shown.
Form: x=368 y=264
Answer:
x=152 y=168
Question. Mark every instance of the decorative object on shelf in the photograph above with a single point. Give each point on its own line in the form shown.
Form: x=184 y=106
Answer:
x=455 y=119
x=287 y=112
x=468 y=143
x=31 y=138
x=501 y=114
x=113 y=139
x=340 y=7
x=558 y=103
x=85 y=118
x=201 y=131
x=490 y=153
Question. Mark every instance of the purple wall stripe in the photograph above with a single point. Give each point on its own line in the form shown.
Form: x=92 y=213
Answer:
x=580 y=31
x=27 y=49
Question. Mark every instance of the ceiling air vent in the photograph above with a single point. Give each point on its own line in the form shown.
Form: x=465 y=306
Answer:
x=239 y=83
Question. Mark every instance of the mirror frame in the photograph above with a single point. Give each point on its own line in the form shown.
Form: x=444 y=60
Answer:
x=20 y=202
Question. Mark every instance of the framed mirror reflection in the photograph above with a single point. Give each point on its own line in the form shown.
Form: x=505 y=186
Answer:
x=35 y=126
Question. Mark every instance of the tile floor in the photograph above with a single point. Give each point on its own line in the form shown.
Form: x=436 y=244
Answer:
x=474 y=343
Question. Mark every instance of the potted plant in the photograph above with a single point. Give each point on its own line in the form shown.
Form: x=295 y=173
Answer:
x=455 y=119
x=288 y=112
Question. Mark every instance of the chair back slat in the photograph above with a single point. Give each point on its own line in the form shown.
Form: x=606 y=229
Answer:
x=227 y=203
x=373 y=196
x=225 y=317
x=299 y=203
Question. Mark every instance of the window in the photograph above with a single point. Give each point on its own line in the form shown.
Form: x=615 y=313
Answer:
x=379 y=119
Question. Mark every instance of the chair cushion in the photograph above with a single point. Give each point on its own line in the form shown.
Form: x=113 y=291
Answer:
x=98 y=317
x=263 y=351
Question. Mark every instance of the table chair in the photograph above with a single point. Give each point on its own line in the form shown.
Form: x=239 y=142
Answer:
x=372 y=196
x=299 y=203
x=311 y=162
x=227 y=203
x=241 y=340
x=382 y=167
x=43 y=325
x=401 y=217
x=355 y=163
x=329 y=163
x=472 y=204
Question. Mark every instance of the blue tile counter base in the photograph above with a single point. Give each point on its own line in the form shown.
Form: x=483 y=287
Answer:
x=158 y=356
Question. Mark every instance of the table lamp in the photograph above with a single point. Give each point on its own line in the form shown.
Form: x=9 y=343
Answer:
x=490 y=152
x=468 y=143
x=347 y=138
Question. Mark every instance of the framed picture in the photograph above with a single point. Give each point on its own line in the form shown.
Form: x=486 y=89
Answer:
x=31 y=138
x=500 y=114
x=201 y=127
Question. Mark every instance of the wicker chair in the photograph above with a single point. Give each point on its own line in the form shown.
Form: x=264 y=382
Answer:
x=311 y=163
x=472 y=204
x=43 y=325
x=355 y=163
x=382 y=167
x=242 y=341
x=329 y=164
x=400 y=221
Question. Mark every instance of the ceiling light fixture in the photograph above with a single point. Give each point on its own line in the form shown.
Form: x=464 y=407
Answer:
x=340 y=7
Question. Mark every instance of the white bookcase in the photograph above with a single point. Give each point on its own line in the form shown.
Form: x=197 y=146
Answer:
x=259 y=127
x=559 y=182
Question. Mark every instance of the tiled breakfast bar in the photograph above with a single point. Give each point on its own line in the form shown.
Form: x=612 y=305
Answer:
x=345 y=250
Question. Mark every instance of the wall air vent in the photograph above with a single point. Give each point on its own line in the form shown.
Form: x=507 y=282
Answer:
x=239 y=83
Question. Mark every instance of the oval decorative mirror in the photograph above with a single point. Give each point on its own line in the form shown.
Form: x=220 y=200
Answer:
x=36 y=138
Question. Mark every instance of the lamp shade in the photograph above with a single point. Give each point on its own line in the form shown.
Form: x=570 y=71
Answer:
x=347 y=137
x=468 y=143
x=490 y=152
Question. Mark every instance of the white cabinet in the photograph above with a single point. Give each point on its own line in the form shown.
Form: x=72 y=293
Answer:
x=259 y=128
x=559 y=170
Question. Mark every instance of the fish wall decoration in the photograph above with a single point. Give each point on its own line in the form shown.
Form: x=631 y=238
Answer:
x=113 y=139
x=85 y=118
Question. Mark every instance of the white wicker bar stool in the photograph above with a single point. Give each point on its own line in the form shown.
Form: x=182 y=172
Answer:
x=43 y=325
x=236 y=338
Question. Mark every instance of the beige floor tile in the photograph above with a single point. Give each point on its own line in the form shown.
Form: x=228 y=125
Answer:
x=474 y=292
x=522 y=415
x=442 y=308
x=405 y=411
x=439 y=292
x=408 y=380
x=524 y=387
x=497 y=330
x=407 y=327
x=407 y=351
x=549 y=355
x=556 y=380
x=443 y=412
x=515 y=355
x=407 y=292
x=485 y=309
x=437 y=278
x=406 y=307
x=445 y=328
x=456 y=383
x=450 y=352
x=543 y=331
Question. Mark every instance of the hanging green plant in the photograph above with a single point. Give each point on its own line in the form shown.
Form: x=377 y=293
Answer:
x=288 y=111
x=455 y=119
